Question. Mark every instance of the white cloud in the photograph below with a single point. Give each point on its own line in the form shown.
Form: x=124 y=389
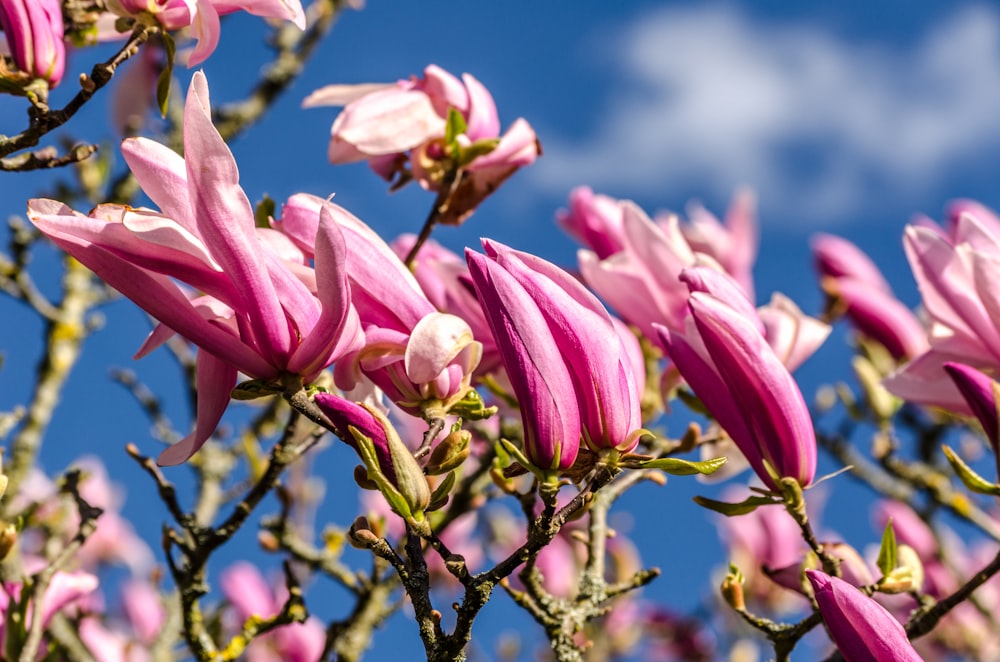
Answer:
x=818 y=123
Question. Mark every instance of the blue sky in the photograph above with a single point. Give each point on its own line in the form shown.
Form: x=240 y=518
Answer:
x=844 y=117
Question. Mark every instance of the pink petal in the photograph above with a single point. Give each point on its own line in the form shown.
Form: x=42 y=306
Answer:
x=216 y=379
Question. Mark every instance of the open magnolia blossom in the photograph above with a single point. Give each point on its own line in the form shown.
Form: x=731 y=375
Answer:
x=257 y=312
x=402 y=130
x=202 y=17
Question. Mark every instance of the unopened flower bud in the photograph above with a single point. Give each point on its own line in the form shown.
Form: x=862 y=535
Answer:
x=268 y=542
x=882 y=403
x=451 y=452
x=732 y=588
x=908 y=575
x=8 y=537
x=362 y=479
x=360 y=534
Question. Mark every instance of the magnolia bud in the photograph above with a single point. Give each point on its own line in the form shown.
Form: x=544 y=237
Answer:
x=732 y=588
x=362 y=479
x=908 y=574
x=360 y=534
x=8 y=537
x=451 y=452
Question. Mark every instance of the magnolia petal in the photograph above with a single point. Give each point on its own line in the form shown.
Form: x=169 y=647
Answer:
x=388 y=121
x=763 y=389
x=435 y=341
x=226 y=222
x=207 y=29
x=216 y=379
x=482 y=121
x=862 y=629
x=338 y=329
x=162 y=175
x=341 y=95
x=535 y=367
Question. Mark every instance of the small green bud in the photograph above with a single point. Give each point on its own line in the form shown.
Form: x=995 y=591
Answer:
x=908 y=574
x=450 y=453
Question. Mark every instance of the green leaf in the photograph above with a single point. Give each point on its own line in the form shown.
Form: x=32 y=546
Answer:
x=482 y=147
x=454 y=127
x=678 y=467
x=970 y=478
x=887 y=552
x=730 y=509
x=440 y=495
x=471 y=406
x=263 y=212
x=163 y=83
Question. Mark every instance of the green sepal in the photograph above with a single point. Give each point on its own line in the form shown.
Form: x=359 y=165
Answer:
x=263 y=212
x=513 y=454
x=692 y=402
x=439 y=497
x=454 y=126
x=748 y=505
x=678 y=467
x=467 y=155
x=471 y=407
x=970 y=478
x=887 y=551
x=366 y=449
x=253 y=389
x=163 y=82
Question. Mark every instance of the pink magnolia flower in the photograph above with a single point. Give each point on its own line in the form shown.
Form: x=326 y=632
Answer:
x=848 y=275
x=250 y=595
x=594 y=220
x=395 y=461
x=424 y=372
x=421 y=358
x=733 y=242
x=34 y=33
x=400 y=129
x=635 y=263
x=861 y=628
x=958 y=272
x=202 y=16
x=259 y=314
x=65 y=591
x=726 y=360
x=600 y=364
x=538 y=373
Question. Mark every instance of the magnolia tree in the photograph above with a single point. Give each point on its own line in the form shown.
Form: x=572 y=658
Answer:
x=495 y=405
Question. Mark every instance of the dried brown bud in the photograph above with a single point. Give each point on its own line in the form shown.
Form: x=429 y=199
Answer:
x=362 y=479
x=360 y=534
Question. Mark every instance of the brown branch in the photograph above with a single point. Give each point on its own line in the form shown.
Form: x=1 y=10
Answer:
x=43 y=120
